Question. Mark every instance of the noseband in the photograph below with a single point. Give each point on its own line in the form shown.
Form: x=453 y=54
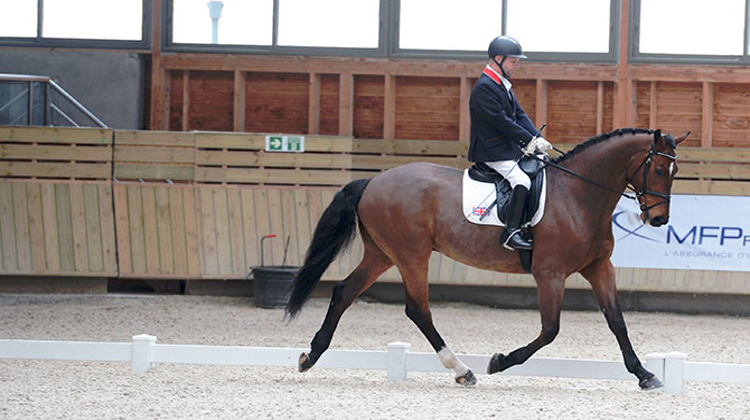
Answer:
x=646 y=164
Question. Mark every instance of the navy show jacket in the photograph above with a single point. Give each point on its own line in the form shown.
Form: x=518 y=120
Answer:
x=499 y=126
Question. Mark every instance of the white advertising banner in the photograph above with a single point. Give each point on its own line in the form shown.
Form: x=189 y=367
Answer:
x=705 y=232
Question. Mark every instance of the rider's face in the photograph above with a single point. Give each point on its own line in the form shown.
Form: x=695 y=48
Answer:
x=511 y=65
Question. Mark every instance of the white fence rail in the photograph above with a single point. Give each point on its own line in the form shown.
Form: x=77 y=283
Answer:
x=397 y=360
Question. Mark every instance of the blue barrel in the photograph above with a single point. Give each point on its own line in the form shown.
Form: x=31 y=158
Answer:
x=272 y=285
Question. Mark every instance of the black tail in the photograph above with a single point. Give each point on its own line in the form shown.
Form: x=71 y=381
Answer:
x=336 y=229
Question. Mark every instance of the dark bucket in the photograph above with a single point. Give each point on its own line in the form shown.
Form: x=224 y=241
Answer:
x=272 y=285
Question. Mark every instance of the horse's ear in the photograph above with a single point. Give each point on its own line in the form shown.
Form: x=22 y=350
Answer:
x=657 y=136
x=682 y=138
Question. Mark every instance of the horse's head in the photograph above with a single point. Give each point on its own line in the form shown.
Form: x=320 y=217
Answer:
x=652 y=178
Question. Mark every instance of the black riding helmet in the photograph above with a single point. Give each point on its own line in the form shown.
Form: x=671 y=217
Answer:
x=507 y=47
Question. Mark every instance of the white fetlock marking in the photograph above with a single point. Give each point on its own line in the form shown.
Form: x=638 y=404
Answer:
x=449 y=360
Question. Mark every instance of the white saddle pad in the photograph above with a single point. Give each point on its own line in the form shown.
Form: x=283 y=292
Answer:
x=477 y=197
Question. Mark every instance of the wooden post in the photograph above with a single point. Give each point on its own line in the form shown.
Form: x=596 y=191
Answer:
x=346 y=104
x=464 y=118
x=652 y=106
x=541 y=102
x=313 y=116
x=632 y=102
x=599 y=107
x=707 y=126
x=239 y=100
x=622 y=86
x=389 y=107
x=185 y=99
x=159 y=118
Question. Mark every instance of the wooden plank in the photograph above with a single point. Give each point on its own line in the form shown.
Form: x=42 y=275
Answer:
x=58 y=170
x=313 y=143
x=150 y=230
x=251 y=236
x=720 y=171
x=236 y=227
x=36 y=227
x=240 y=94
x=93 y=228
x=122 y=228
x=171 y=172
x=65 y=227
x=707 y=127
x=51 y=235
x=7 y=231
x=464 y=117
x=278 y=176
x=21 y=219
x=346 y=104
x=714 y=154
x=45 y=152
x=192 y=232
x=262 y=224
x=276 y=218
x=599 y=107
x=154 y=154
x=288 y=207
x=287 y=160
x=313 y=117
x=223 y=241
x=137 y=238
x=303 y=231
x=652 y=108
x=107 y=225
x=164 y=226
x=208 y=232
x=78 y=220
x=58 y=135
x=389 y=107
x=410 y=147
x=154 y=138
x=177 y=231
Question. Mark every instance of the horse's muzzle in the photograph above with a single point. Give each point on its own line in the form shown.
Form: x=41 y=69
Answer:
x=658 y=221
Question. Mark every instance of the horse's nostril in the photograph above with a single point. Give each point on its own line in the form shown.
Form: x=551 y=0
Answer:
x=659 y=220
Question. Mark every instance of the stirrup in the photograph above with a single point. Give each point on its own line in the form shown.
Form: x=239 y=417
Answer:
x=519 y=244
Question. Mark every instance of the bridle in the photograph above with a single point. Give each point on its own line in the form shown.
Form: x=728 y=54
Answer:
x=665 y=198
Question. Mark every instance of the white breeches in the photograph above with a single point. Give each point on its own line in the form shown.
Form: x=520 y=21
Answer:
x=510 y=170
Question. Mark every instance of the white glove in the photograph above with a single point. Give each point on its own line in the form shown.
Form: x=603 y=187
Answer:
x=539 y=144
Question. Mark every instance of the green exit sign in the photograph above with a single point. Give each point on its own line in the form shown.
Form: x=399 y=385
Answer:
x=285 y=143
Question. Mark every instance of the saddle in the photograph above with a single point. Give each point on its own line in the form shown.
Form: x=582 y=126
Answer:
x=534 y=168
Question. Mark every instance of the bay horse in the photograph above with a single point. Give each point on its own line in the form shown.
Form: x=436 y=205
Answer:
x=409 y=211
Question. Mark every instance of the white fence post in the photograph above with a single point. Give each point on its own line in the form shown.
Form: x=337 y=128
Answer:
x=674 y=372
x=142 y=345
x=396 y=360
x=655 y=365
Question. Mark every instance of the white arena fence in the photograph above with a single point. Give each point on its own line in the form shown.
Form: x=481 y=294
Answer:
x=143 y=352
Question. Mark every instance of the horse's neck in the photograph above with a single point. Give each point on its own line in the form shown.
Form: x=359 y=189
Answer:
x=605 y=163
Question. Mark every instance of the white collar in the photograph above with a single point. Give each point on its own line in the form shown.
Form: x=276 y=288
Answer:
x=505 y=81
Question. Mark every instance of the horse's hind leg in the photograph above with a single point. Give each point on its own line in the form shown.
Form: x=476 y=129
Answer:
x=414 y=275
x=601 y=275
x=373 y=264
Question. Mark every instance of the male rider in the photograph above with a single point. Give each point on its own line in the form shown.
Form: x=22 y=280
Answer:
x=501 y=132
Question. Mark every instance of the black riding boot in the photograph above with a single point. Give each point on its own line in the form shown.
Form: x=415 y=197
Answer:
x=511 y=237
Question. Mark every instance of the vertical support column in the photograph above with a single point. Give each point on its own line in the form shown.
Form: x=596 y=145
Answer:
x=632 y=102
x=396 y=360
x=159 y=118
x=185 y=99
x=142 y=346
x=240 y=93
x=313 y=116
x=707 y=127
x=389 y=107
x=346 y=104
x=622 y=84
x=541 y=102
x=464 y=118
x=599 y=107
x=652 y=104
x=674 y=372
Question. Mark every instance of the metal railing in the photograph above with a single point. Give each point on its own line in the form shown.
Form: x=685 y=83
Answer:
x=39 y=100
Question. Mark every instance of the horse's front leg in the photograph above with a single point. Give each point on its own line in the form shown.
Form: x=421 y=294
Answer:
x=601 y=275
x=550 y=294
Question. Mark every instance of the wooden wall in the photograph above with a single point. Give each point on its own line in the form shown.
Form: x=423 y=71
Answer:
x=195 y=205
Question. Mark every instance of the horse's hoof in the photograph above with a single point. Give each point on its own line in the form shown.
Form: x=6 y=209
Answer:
x=304 y=362
x=651 y=383
x=468 y=379
x=498 y=363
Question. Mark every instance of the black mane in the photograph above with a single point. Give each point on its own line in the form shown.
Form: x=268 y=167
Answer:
x=614 y=133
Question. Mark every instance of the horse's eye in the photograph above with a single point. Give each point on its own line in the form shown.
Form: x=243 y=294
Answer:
x=659 y=172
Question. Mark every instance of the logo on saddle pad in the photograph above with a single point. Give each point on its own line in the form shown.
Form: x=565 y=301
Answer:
x=478 y=197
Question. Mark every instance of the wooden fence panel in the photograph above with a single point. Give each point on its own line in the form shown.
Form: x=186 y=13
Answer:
x=55 y=228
